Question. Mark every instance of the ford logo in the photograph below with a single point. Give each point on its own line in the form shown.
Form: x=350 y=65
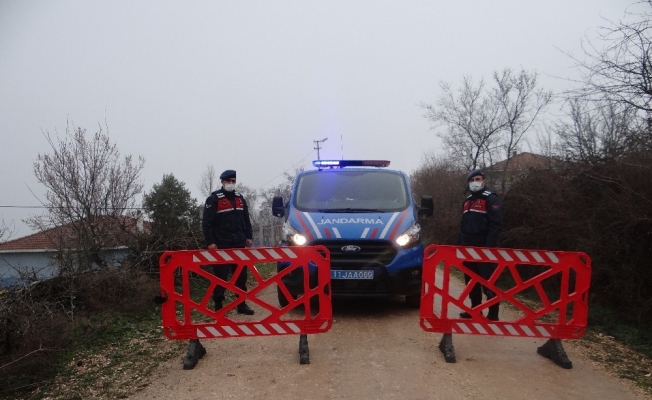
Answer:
x=351 y=248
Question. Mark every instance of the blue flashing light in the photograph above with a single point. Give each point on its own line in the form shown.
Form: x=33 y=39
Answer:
x=349 y=163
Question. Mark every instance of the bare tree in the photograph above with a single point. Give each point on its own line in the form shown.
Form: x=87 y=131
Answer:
x=473 y=119
x=545 y=142
x=441 y=178
x=6 y=230
x=596 y=131
x=251 y=196
x=90 y=189
x=484 y=124
x=270 y=224
x=522 y=103
x=620 y=69
x=208 y=182
x=617 y=69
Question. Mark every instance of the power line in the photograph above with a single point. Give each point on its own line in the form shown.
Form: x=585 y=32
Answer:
x=62 y=207
x=302 y=159
x=292 y=166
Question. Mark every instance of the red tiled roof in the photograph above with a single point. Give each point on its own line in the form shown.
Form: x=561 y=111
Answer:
x=47 y=239
x=524 y=161
x=35 y=241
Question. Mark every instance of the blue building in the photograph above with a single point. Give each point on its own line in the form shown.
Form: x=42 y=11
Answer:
x=33 y=257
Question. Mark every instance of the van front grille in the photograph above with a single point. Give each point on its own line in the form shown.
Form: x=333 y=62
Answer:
x=372 y=251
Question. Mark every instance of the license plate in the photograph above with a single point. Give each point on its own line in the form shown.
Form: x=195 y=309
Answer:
x=352 y=274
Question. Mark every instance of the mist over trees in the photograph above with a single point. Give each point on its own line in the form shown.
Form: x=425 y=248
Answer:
x=596 y=131
x=209 y=181
x=594 y=196
x=617 y=67
x=598 y=147
x=269 y=227
x=483 y=124
x=595 y=193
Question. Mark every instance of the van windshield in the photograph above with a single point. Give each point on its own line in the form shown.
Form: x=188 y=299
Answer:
x=351 y=191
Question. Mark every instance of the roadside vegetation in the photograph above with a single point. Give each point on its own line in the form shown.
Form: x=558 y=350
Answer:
x=93 y=331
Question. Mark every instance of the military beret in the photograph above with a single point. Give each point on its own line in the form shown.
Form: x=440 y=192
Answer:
x=473 y=173
x=228 y=174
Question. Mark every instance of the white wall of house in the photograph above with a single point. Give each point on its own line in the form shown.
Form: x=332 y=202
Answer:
x=38 y=262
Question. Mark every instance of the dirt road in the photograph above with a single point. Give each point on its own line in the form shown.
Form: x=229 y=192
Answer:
x=377 y=350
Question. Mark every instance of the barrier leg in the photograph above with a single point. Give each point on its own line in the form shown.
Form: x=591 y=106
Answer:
x=195 y=352
x=446 y=347
x=304 y=351
x=554 y=350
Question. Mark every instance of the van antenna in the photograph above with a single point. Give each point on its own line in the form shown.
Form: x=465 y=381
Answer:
x=342 y=145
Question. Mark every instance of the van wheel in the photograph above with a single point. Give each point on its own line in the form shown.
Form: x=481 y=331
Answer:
x=413 y=301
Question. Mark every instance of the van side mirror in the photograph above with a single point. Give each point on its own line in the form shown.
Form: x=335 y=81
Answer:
x=277 y=206
x=427 y=206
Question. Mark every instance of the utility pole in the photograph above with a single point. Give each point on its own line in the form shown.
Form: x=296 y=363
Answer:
x=317 y=146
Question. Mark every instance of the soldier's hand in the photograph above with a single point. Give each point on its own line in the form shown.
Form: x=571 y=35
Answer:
x=248 y=242
x=212 y=246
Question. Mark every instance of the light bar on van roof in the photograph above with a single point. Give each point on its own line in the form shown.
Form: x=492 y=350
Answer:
x=350 y=163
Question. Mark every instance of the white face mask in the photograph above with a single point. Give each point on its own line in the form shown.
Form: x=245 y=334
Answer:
x=229 y=187
x=475 y=186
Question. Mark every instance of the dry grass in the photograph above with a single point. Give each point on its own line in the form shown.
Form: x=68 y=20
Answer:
x=631 y=367
x=112 y=371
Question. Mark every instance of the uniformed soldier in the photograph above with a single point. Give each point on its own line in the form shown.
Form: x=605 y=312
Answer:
x=482 y=221
x=226 y=224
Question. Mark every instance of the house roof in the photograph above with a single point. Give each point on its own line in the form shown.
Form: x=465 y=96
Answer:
x=35 y=241
x=524 y=161
x=120 y=230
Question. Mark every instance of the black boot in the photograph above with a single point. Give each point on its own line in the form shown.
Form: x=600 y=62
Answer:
x=243 y=308
x=466 y=315
x=492 y=315
x=195 y=352
x=474 y=304
x=218 y=304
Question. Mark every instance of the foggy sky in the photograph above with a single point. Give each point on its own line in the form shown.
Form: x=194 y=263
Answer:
x=248 y=85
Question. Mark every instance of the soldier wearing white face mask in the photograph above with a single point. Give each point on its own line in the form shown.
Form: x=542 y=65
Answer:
x=226 y=225
x=482 y=221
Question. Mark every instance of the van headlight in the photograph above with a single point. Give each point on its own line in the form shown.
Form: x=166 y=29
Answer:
x=292 y=236
x=410 y=237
